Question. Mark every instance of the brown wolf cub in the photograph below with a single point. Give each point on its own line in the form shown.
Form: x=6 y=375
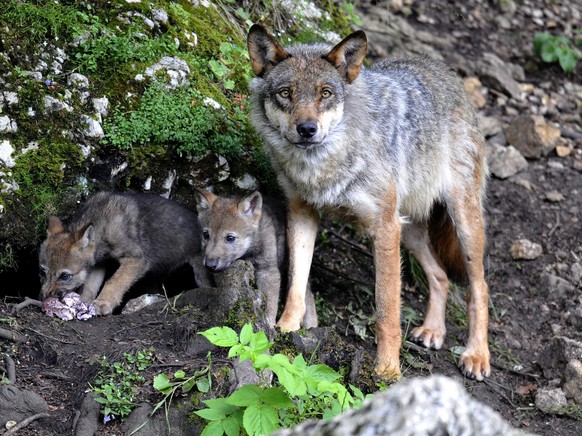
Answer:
x=145 y=233
x=250 y=228
x=395 y=147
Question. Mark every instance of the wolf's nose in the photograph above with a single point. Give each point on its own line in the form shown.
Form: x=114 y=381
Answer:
x=211 y=264
x=307 y=130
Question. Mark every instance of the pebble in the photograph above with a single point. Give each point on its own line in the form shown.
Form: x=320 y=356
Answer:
x=524 y=249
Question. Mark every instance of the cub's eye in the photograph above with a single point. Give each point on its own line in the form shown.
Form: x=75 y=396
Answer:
x=284 y=93
x=65 y=276
x=326 y=93
x=205 y=234
x=230 y=238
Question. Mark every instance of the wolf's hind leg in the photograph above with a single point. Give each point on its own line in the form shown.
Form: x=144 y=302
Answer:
x=93 y=284
x=129 y=271
x=467 y=214
x=432 y=332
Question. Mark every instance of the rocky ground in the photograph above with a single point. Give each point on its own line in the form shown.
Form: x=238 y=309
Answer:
x=531 y=115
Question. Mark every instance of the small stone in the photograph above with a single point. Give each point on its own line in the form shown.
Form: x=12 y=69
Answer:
x=564 y=150
x=92 y=127
x=554 y=286
x=473 y=87
x=524 y=249
x=554 y=196
x=550 y=400
x=140 y=303
x=505 y=162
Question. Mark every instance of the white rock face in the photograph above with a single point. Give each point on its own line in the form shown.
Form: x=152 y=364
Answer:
x=6 y=151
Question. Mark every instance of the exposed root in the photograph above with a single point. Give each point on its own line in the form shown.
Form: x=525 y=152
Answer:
x=25 y=422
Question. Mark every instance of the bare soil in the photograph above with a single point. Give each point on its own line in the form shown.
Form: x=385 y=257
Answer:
x=58 y=359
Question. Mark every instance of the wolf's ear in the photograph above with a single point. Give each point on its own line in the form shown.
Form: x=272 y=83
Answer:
x=55 y=226
x=87 y=237
x=264 y=50
x=251 y=205
x=204 y=200
x=349 y=54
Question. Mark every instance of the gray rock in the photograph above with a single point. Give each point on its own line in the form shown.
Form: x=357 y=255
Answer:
x=550 y=400
x=524 y=249
x=141 y=302
x=435 y=405
x=498 y=74
x=490 y=126
x=160 y=16
x=6 y=151
x=92 y=127
x=101 y=105
x=532 y=135
x=17 y=404
x=176 y=424
x=554 y=286
x=78 y=81
x=576 y=272
x=575 y=317
x=554 y=357
x=52 y=104
x=177 y=70
x=7 y=125
x=573 y=384
x=505 y=162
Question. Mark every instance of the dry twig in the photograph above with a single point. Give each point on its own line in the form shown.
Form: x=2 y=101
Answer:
x=25 y=422
x=27 y=302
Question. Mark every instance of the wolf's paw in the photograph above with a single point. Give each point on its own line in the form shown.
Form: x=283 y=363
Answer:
x=288 y=324
x=102 y=307
x=388 y=370
x=430 y=338
x=474 y=363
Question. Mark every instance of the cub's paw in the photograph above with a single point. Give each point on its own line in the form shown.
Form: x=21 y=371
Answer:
x=288 y=325
x=102 y=307
x=474 y=364
x=430 y=338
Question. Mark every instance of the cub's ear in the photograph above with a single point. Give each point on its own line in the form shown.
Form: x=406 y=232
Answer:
x=87 y=237
x=349 y=54
x=251 y=205
x=204 y=200
x=264 y=51
x=55 y=226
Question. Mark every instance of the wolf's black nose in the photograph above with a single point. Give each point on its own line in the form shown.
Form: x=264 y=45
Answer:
x=307 y=130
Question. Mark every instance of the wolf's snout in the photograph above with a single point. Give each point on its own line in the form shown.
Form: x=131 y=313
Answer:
x=307 y=130
x=211 y=264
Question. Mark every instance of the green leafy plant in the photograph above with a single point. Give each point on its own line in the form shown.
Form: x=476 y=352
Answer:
x=303 y=391
x=117 y=384
x=557 y=49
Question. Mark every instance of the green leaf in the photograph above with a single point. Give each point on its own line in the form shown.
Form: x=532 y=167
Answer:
x=235 y=350
x=202 y=384
x=231 y=426
x=162 y=383
x=179 y=374
x=220 y=404
x=245 y=396
x=322 y=372
x=246 y=334
x=276 y=398
x=211 y=414
x=261 y=419
x=262 y=361
x=539 y=40
x=221 y=336
x=214 y=428
x=568 y=61
x=549 y=52
x=259 y=342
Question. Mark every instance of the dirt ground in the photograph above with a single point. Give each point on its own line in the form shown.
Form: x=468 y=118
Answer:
x=58 y=359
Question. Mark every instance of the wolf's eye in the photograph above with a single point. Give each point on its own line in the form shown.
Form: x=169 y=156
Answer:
x=284 y=93
x=65 y=276
x=205 y=234
x=326 y=93
x=230 y=238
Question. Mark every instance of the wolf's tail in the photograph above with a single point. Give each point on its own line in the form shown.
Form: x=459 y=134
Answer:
x=446 y=244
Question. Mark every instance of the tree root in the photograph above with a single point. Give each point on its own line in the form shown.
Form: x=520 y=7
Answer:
x=10 y=369
x=24 y=423
x=27 y=302
x=12 y=336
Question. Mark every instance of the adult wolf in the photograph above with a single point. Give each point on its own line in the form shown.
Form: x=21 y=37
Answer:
x=396 y=147
x=144 y=233
x=250 y=228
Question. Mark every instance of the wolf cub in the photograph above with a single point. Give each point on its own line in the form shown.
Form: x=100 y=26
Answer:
x=144 y=233
x=250 y=228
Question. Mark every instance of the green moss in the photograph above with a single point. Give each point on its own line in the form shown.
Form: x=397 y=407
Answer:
x=241 y=313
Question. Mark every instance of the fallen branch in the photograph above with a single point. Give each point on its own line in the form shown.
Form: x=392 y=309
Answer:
x=12 y=336
x=27 y=302
x=25 y=422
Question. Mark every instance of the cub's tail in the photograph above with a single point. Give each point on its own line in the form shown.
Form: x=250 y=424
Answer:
x=446 y=244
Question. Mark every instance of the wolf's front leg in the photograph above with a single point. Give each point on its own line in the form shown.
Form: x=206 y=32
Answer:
x=269 y=282
x=92 y=284
x=129 y=271
x=302 y=222
x=386 y=236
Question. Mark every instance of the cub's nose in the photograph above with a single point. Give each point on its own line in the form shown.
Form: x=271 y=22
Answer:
x=307 y=129
x=211 y=264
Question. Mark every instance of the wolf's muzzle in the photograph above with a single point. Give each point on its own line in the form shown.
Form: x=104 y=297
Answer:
x=307 y=129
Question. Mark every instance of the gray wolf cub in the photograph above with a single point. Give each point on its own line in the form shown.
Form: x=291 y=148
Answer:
x=145 y=233
x=250 y=228
x=395 y=147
